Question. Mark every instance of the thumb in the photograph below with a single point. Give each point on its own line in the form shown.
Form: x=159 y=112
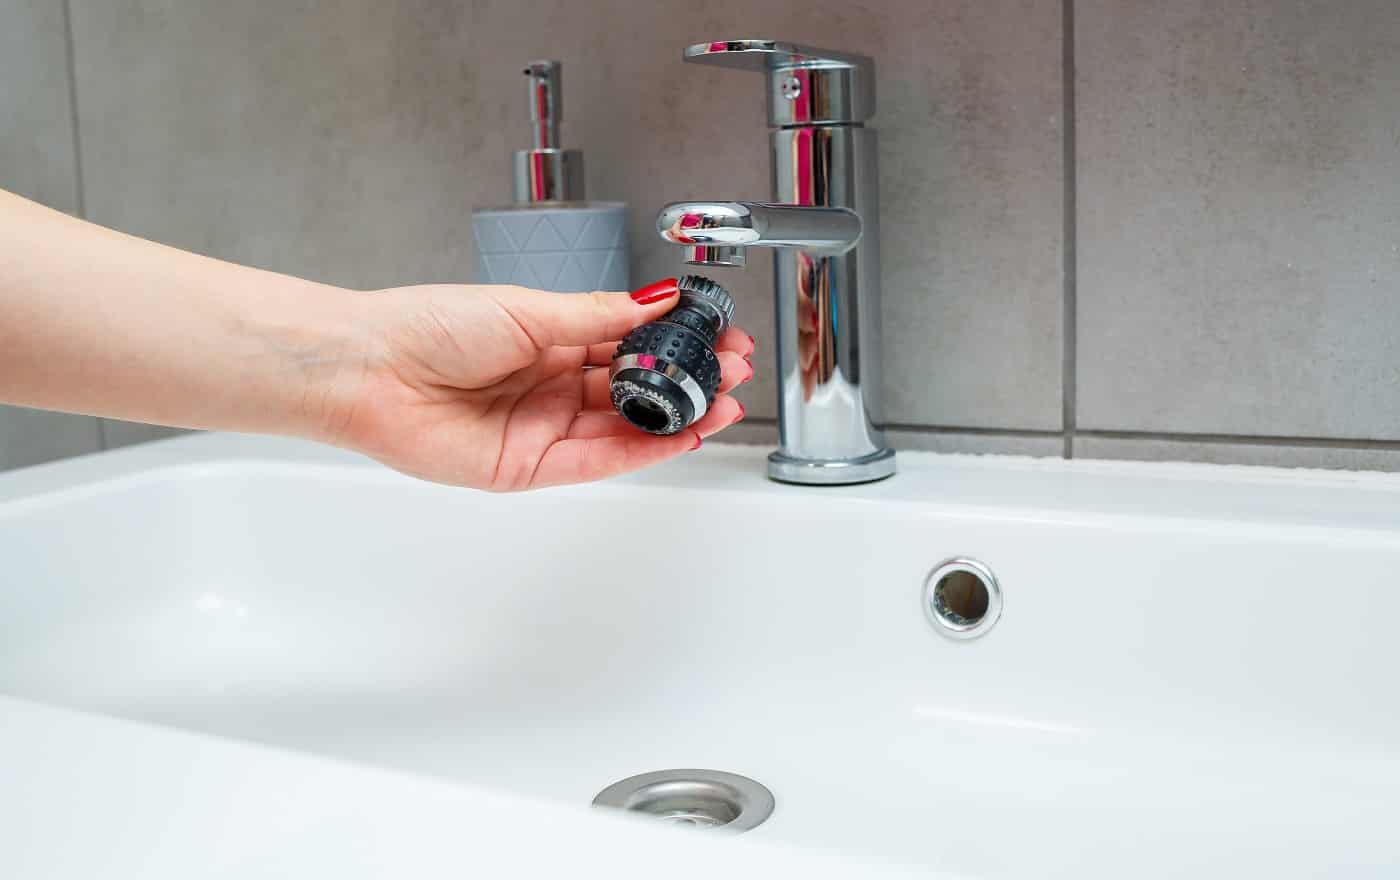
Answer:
x=585 y=318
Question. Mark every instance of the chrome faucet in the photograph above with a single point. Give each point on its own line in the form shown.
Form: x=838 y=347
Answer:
x=826 y=276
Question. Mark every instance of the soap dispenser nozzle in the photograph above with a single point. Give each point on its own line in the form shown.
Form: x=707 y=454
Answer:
x=545 y=172
x=544 y=104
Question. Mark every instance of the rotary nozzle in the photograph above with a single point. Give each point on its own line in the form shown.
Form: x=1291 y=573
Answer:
x=665 y=374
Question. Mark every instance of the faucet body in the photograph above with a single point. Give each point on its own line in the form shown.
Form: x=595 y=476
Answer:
x=823 y=225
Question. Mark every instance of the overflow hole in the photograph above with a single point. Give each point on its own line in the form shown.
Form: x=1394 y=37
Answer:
x=962 y=598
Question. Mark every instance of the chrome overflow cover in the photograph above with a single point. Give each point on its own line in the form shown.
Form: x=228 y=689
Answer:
x=696 y=798
x=962 y=599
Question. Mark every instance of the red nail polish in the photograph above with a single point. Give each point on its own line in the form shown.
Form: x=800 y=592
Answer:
x=698 y=441
x=749 y=378
x=740 y=417
x=655 y=292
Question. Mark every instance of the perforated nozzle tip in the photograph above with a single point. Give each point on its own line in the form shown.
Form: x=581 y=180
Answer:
x=707 y=294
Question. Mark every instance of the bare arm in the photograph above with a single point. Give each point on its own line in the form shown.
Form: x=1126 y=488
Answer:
x=94 y=321
x=474 y=385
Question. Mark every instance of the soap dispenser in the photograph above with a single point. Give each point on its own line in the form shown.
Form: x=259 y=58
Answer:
x=552 y=238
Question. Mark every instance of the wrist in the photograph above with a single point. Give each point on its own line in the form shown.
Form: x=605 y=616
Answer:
x=328 y=351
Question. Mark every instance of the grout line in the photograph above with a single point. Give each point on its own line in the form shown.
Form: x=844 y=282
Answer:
x=768 y=422
x=1069 y=329
x=80 y=183
x=1248 y=440
x=986 y=432
x=1223 y=439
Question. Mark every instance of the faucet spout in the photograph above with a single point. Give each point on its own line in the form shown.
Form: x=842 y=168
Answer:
x=715 y=233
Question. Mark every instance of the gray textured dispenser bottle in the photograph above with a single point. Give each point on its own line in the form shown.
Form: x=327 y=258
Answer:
x=551 y=238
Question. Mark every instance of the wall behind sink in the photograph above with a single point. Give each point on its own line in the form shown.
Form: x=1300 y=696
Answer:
x=1112 y=228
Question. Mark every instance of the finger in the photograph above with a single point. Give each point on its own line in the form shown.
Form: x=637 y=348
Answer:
x=582 y=318
x=600 y=354
x=733 y=371
x=726 y=411
x=596 y=423
x=806 y=351
x=736 y=340
x=558 y=363
x=597 y=458
x=597 y=390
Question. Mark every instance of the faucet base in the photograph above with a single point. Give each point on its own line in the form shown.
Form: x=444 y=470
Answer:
x=827 y=472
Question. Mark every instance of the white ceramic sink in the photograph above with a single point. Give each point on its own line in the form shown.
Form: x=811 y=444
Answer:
x=1195 y=673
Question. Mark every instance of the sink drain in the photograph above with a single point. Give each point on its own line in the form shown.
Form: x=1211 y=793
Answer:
x=700 y=798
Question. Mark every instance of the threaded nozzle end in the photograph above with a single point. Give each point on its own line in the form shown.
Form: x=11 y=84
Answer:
x=704 y=293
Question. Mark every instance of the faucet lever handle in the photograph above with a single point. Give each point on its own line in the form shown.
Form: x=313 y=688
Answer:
x=806 y=86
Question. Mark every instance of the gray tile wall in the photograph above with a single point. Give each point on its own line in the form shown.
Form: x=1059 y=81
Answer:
x=1239 y=222
x=1117 y=228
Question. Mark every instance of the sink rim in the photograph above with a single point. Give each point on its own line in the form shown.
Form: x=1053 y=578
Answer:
x=1078 y=490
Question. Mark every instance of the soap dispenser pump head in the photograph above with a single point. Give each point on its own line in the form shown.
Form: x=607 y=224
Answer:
x=545 y=104
x=545 y=172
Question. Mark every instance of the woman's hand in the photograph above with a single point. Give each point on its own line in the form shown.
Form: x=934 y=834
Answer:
x=506 y=388
x=494 y=387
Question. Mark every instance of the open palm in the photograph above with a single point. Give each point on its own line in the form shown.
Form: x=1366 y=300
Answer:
x=506 y=388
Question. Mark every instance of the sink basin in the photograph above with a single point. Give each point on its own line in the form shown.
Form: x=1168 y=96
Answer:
x=1194 y=671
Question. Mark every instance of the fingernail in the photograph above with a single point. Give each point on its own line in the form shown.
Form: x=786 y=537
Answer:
x=749 y=378
x=698 y=441
x=655 y=292
x=740 y=417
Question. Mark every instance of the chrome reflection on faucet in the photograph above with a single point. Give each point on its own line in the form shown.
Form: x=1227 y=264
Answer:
x=824 y=225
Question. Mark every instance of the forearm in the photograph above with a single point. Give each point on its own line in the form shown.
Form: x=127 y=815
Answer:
x=93 y=321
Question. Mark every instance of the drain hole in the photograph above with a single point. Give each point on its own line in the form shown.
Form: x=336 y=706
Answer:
x=962 y=598
x=698 y=798
x=687 y=803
